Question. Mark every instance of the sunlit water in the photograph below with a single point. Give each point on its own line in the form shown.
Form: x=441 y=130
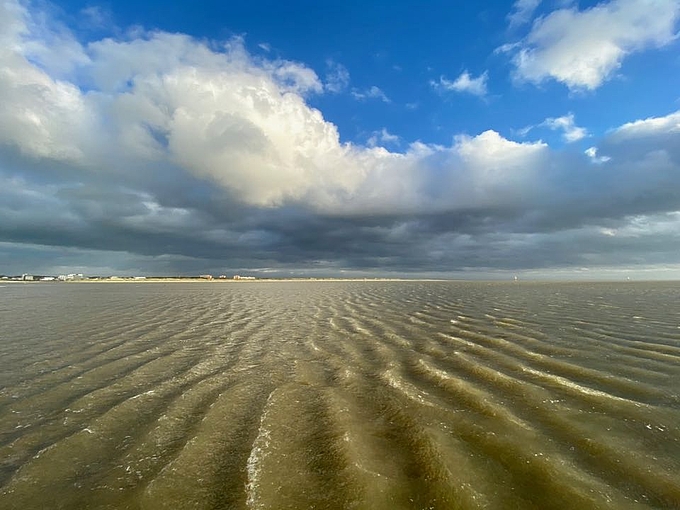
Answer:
x=366 y=395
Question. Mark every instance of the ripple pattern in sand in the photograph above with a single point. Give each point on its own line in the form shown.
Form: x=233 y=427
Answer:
x=366 y=395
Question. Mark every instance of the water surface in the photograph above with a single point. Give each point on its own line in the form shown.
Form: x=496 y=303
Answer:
x=366 y=395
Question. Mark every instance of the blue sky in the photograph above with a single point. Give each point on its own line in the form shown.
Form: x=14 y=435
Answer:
x=395 y=138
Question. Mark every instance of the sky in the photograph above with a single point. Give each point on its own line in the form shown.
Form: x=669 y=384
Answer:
x=538 y=138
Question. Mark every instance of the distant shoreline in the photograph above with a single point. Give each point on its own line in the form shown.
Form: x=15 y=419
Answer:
x=173 y=280
x=225 y=280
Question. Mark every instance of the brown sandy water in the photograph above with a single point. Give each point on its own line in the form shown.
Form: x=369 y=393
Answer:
x=366 y=395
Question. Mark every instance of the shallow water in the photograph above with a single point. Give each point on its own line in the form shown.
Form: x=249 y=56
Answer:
x=366 y=395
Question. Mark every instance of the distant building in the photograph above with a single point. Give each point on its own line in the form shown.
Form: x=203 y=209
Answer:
x=206 y=276
x=70 y=277
x=27 y=277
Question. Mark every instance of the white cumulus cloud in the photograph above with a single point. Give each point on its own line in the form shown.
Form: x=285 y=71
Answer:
x=570 y=131
x=164 y=101
x=649 y=127
x=42 y=115
x=591 y=152
x=566 y=123
x=464 y=83
x=382 y=137
x=371 y=93
x=584 y=48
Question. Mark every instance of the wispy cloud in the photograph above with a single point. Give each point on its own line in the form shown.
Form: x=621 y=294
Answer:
x=371 y=93
x=337 y=77
x=95 y=16
x=522 y=12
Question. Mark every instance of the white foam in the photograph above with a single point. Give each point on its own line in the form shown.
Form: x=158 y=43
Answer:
x=150 y=392
x=574 y=386
x=257 y=454
x=407 y=389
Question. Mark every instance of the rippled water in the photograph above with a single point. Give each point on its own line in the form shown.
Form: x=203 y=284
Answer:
x=368 y=395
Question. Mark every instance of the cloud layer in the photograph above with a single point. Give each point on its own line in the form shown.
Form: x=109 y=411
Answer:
x=187 y=155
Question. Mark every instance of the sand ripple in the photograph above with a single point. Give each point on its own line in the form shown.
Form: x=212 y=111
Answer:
x=366 y=395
